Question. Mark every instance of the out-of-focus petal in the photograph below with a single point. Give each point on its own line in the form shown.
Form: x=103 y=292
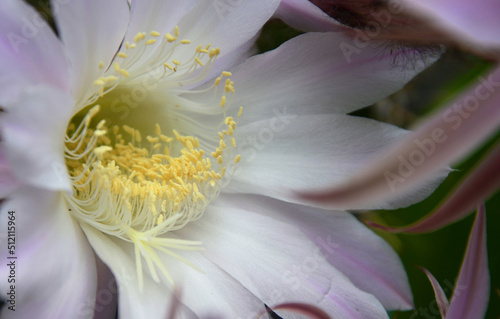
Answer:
x=446 y=137
x=8 y=181
x=278 y=264
x=55 y=270
x=107 y=293
x=476 y=188
x=309 y=152
x=30 y=51
x=305 y=16
x=472 y=290
x=91 y=31
x=364 y=21
x=33 y=134
x=442 y=300
x=474 y=23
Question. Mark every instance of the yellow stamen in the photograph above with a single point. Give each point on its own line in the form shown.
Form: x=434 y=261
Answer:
x=170 y=38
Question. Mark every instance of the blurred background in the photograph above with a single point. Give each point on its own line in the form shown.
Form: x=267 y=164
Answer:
x=442 y=251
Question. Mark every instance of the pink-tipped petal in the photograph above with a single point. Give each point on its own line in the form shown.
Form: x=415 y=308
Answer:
x=474 y=23
x=477 y=187
x=337 y=148
x=445 y=138
x=472 y=290
x=442 y=300
x=305 y=16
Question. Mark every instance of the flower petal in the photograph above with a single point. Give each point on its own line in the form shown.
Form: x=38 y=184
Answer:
x=33 y=131
x=477 y=187
x=315 y=73
x=224 y=24
x=444 y=138
x=152 y=302
x=227 y=25
x=159 y=16
x=473 y=23
x=309 y=152
x=369 y=262
x=8 y=182
x=213 y=292
x=91 y=31
x=106 y=297
x=203 y=294
x=305 y=16
x=55 y=270
x=441 y=299
x=472 y=290
x=275 y=260
x=30 y=51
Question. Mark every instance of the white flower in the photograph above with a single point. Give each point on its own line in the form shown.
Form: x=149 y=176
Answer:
x=126 y=137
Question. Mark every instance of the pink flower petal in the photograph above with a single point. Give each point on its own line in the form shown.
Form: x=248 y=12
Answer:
x=476 y=188
x=442 y=300
x=305 y=16
x=472 y=290
x=470 y=22
x=446 y=137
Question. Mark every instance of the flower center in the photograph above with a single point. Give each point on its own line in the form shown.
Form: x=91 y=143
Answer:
x=136 y=183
